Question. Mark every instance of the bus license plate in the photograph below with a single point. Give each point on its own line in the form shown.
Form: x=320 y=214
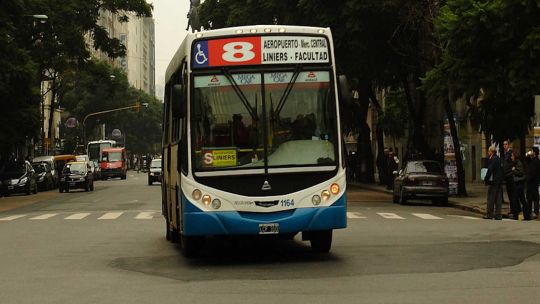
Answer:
x=269 y=228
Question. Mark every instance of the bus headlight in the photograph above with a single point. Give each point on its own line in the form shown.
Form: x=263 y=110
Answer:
x=216 y=203
x=196 y=194
x=206 y=199
x=325 y=195
x=334 y=189
x=316 y=200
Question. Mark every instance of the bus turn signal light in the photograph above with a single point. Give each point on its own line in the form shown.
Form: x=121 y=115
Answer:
x=334 y=189
x=206 y=199
x=196 y=194
x=325 y=195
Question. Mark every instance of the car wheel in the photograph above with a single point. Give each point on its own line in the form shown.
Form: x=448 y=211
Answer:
x=402 y=198
x=149 y=182
x=321 y=241
x=92 y=186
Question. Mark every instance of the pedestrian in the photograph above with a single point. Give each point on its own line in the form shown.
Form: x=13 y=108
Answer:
x=533 y=177
x=382 y=165
x=518 y=172
x=392 y=166
x=494 y=178
x=509 y=176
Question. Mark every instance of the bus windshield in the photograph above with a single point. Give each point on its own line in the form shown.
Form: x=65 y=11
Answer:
x=235 y=117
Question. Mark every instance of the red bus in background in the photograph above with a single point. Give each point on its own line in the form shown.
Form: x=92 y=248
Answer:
x=113 y=163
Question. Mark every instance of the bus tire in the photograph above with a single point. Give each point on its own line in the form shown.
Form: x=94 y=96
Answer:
x=321 y=241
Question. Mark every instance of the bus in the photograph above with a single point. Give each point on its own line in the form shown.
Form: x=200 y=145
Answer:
x=95 y=148
x=251 y=137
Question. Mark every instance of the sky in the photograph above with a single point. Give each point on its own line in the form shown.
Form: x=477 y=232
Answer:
x=170 y=17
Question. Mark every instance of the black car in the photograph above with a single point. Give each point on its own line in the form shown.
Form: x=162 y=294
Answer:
x=44 y=175
x=76 y=175
x=421 y=179
x=155 y=171
x=18 y=177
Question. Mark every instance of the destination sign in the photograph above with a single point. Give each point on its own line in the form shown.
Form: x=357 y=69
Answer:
x=260 y=50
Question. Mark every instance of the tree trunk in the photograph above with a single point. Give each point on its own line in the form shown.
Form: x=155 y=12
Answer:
x=54 y=91
x=462 y=189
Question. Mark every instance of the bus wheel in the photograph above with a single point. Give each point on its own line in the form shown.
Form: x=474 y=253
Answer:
x=321 y=241
x=190 y=246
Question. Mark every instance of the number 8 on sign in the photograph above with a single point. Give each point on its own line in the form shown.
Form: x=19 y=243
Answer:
x=238 y=52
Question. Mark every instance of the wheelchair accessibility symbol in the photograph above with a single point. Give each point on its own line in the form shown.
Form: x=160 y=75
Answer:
x=200 y=56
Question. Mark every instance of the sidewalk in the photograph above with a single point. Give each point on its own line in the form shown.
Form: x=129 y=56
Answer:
x=474 y=202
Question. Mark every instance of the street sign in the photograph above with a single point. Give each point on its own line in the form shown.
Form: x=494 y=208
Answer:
x=116 y=134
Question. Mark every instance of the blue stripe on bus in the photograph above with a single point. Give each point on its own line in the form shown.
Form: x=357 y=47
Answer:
x=198 y=222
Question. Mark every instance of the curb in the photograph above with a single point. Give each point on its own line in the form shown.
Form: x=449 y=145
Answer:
x=451 y=203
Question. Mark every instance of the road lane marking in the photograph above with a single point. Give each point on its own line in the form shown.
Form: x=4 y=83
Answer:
x=391 y=216
x=13 y=217
x=110 y=216
x=77 y=216
x=44 y=216
x=355 y=215
x=427 y=216
x=145 y=216
x=465 y=217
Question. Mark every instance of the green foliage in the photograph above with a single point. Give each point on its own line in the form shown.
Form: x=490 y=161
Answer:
x=91 y=89
x=17 y=84
x=395 y=118
x=491 y=55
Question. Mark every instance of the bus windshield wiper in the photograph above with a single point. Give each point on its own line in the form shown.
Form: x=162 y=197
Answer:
x=288 y=90
x=240 y=94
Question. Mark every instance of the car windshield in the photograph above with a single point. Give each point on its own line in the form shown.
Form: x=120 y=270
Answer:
x=424 y=167
x=112 y=156
x=38 y=168
x=234 y=115
x=75 y=168
x=156 y=163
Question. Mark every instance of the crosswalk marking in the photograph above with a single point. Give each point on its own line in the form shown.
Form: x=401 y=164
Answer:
x=426 y=216
x=355 y=215
x=13 y=217
x=465 y=217
x=77 y=216
x=390 y=216
x=145 y=216
x=44 y=216
x=110 y=216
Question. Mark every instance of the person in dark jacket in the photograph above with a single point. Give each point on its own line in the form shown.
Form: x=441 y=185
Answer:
x=518 y=172
x=533 y=177
x=509 y=176
x=494 y=178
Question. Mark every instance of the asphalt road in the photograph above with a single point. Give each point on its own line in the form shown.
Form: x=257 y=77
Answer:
x=108 y=246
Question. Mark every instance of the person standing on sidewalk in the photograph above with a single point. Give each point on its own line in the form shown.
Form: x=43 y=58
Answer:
x=392 y=165
x=494 y=178
x=519 y=195
x=533 y=177
x=509 y=177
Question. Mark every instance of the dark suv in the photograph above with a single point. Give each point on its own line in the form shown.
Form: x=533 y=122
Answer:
x=155 y=172
x=18 y=177
x=76 y=175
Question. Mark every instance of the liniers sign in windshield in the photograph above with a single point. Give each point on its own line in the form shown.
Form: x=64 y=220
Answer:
x=260 y=50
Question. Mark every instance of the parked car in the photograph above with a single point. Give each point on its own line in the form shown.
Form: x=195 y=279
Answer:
x=421 y=179
x=49 y=160
x=18 y=177
x=76 y=175
x=44 y=176
x=155 y=172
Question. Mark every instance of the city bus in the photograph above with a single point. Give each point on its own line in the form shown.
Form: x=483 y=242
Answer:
x=95 y=148
x=251 y=137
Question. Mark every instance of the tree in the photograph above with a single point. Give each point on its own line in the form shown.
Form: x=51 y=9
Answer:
x=62 y=44
x=91 y=89
x=17 y=83
x=491 y=55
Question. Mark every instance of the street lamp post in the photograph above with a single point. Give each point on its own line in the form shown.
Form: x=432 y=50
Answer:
x=137 y=106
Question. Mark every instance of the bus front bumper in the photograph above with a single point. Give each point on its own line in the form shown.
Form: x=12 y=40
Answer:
x=197 y=222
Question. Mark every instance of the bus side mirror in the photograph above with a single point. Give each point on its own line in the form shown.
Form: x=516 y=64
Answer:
x=177 y=100
x=345 y=93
